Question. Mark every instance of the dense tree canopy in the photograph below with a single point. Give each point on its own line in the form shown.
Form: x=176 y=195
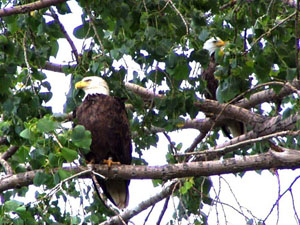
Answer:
x=258 y=83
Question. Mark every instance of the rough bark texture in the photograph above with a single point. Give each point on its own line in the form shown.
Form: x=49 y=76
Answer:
x=206 y=168
x=28 y=7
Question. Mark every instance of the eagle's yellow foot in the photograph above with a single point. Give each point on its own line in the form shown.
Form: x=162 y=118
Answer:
x=110 y=162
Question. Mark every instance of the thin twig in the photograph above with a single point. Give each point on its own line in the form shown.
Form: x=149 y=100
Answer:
x=58 y=187
x=241 y=143
x=92 y=21
x=234 y=196
x=173 y=148
x=63 y=30
x=297 y=39
x=269 y=31
x=163 y=211
x=277 y=205
x=278 y=199
x=145 y=6
x=294 y=207
x=196 y=141
x=147 y=217
x=29 y=69
x=181 y=16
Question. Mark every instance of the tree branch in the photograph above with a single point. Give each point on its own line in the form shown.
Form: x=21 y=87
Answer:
x=268 y=95
x=63 y=30
x=216 y=152
x=170 y=171
x=145 y=93
x=12 y=150
x=129 y=213
x=3 y=141
x=28 y=7
x=255 y=99
x=6 y=155
x=57 y=67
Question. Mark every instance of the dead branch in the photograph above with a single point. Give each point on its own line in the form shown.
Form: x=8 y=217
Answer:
x=28 y=7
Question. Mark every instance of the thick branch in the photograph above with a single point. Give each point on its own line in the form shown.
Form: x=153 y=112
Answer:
x=275 y=125
x=28 y=7
x=268 y=96
x=206 y=168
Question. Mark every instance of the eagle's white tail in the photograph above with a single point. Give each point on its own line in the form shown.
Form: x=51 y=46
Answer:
x=118 y=190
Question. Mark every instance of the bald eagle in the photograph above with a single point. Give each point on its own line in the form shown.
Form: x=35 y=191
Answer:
x=106 y=118
x=211 y=45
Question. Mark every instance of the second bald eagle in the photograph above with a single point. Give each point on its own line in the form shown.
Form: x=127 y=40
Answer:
x=232 y=127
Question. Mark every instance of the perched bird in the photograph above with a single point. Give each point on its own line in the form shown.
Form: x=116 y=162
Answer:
x=233 y=128
x=106 y=118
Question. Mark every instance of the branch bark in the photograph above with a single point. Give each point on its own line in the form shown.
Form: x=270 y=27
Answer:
x=170 y=171
x=129 y=213
x=57 y=67
x=28 y=7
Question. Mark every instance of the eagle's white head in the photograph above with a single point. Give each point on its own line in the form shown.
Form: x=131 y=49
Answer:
x=93 y=85
x=212 y=44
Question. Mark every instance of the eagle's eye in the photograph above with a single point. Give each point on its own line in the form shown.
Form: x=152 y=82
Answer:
x=88 y=80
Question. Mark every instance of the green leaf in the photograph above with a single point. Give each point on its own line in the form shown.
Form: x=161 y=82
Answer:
x=69 y=154
x=82 y=30
x=26 y=133
x=21 y=209
x=46 y=125
x=12 y=205
x=63 y=174
x=40 y=178
x=81 y=137
x=187 y=186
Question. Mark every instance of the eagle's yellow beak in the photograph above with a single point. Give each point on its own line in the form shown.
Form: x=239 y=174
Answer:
x=81 y=84
x=220 y=43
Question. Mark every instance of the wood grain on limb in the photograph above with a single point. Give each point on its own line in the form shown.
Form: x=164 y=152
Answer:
x=170 y=171
x=20 y=9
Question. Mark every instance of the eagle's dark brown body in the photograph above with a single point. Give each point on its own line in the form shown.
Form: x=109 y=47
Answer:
x=105 y=116
x=232 y=128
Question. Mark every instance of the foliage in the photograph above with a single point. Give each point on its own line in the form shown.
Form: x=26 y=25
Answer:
x=165 y=39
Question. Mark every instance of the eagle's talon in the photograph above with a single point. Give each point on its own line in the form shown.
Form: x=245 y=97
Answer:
x=110 y=162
